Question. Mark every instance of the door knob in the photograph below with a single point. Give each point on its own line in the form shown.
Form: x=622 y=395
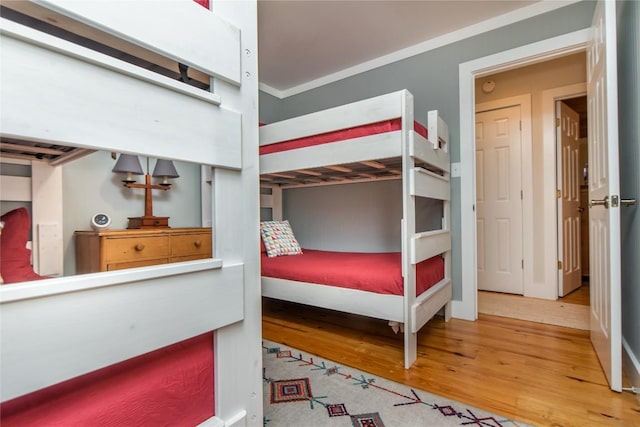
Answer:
x=604 y=202
x=628 y=202
x=580 y=209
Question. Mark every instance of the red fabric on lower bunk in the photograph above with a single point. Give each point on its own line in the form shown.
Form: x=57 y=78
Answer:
x=340 y=135
x=374 y=272
x=169 y=386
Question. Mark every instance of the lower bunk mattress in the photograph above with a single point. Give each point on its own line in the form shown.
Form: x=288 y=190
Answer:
x=373 y=272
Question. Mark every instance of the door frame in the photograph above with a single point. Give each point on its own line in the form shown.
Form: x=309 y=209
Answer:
x=467 y=307
x=550 y=183
x=526 y=164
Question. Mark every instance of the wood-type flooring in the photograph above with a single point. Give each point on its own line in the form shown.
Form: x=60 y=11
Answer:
x=537 y=373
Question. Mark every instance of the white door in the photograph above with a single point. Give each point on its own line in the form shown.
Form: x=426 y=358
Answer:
x=567 y=135
x=499 y=200
x=604 y=187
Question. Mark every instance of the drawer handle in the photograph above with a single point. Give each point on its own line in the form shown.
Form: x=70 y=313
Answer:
x=139 y=247
x=197 y=243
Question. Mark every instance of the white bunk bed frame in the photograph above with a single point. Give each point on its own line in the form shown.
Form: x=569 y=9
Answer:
x=424 y=170
x=60 y=328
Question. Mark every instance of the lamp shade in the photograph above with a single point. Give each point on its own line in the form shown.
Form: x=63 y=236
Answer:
x=129 y=164
x=165 y=169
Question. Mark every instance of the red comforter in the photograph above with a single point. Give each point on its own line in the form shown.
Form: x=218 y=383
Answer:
x=340 y=135
x=374 y=272
x=170 y=386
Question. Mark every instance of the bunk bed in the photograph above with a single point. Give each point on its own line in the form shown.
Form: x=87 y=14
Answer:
x=149 y=345
x=373 y=139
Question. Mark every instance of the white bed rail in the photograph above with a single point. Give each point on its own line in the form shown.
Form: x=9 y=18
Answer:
x=72 y=326
x=178 y=29
x=424 y=151
x=371 y=110
x=438 y=131
x=428 y=244
x=111 y=121
x=428 y=184
x=357 y=150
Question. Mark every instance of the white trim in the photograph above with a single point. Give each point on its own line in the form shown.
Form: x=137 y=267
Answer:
x=549 y=184
x=631 y=365
x=82 y=282
x=524 y=101
x=468 y=72
x=509 y=18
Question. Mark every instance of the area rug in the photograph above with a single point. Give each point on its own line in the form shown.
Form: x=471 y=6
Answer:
x=303 y=390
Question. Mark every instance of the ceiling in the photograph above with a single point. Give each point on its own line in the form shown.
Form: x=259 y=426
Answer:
x=306 y=40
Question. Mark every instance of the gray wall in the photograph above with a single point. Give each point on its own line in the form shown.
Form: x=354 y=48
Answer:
x=336 y=217
x=629 y=135
x=89 y=187
x=432 y=78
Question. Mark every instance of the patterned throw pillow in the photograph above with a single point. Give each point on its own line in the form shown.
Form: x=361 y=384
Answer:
x=278 y=238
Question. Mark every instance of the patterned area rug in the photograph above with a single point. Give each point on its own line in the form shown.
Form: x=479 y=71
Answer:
x=303 y=390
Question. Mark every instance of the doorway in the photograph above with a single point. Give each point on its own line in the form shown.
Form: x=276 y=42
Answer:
x=537 y=161
x=573 y=206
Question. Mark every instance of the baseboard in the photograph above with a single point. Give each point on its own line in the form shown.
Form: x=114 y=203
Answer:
x=631 y=366
x=462 y=310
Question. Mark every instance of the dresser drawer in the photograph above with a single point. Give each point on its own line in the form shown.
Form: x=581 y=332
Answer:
x=144 y=263
x=128 y=249
x=192 y=245
x=107 y=250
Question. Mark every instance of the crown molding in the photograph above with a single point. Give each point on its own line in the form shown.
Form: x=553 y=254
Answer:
x=509 y=18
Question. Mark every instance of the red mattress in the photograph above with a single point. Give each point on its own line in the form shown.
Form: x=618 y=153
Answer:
x=374 y=272
x=340 y=135
x=170 y=386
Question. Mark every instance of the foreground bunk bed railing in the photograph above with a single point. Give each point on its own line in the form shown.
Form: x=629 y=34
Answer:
x=58 y=329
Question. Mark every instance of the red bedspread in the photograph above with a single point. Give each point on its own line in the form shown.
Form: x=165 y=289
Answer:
x=373 y=272
x=170 y=386
x=340 y=135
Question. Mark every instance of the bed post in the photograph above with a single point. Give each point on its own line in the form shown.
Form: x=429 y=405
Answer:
x=408 y=230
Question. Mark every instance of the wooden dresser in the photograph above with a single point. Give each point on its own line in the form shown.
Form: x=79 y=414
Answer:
x=117 y=249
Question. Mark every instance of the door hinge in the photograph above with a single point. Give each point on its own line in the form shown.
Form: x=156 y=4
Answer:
x=557 y=122
x=559 y=265
x=523 y=264
x=559 y=194
x=521 y=195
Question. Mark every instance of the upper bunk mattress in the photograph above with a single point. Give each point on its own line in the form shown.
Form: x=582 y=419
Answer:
x=341 y=135
x=374 y=272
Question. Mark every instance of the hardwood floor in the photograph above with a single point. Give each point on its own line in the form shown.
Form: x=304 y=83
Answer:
x=537 y=373
x=580 y=296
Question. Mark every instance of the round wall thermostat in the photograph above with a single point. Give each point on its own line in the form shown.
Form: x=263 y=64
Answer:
x=100 y=221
